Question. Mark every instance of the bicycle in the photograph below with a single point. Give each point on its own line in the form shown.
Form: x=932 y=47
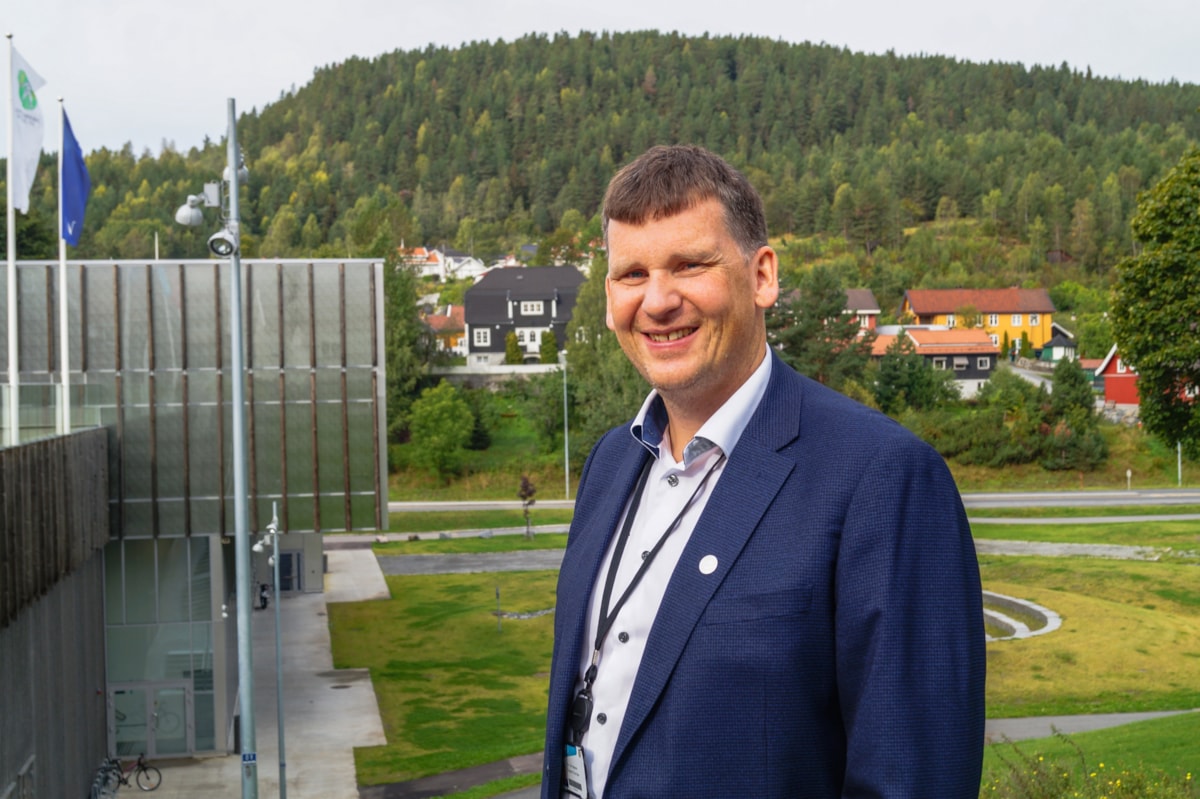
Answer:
x=113 y=775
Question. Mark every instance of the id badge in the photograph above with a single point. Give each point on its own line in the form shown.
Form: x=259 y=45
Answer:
x=574 y=773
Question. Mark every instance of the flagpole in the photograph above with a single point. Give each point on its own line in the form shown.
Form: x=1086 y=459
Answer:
x=14 y=422
x=64 y=404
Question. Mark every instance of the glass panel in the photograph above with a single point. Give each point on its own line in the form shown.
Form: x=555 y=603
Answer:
x=138 y=519
x=332 y=455
x=139 y=585
x=362 y=509
x=297 y=321
x=114 y=584
x=135 y=344
x=174 y=580
x=362 y=447
x=262 y=324
x=333 y=512
x=170 y=653
x=37 y=327
x=129 y=712
x=204 y=454
x=172 y=518
x=170 y=449
x=204 y=719
x=299 y=449
x=327 y=289
x=127 y=652
x=170 y=721
x=202 y=657
x=166 y=296
x=201 y=579
x=203 y=339
x=101 y=331
x=358 y=314
x=299 y=513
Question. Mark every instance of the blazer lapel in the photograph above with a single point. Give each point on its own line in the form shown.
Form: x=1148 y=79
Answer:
x=749 y=483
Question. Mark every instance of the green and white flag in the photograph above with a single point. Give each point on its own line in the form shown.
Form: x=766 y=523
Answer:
x=27 y=130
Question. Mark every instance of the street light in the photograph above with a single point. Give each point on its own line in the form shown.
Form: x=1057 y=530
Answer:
x=273 y=536
x=191 y=215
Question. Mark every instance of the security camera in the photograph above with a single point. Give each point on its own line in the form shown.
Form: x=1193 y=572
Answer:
x=223 y=244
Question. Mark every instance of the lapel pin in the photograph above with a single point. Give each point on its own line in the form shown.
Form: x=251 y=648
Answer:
x=708 y=564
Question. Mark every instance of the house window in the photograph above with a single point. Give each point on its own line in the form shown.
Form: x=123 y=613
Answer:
x=1034 y=320
x=983 y=364
x=532 y=308
x=993 y=320
x=482 y=337
x=1016 y=320
x=1120 y=366
x=960 y=363
x=995 y=339
x=949 y=320
x=939 y=363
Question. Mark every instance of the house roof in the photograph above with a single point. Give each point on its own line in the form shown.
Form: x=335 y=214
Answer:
x=956 y=341
x=925 y=302
x=1060 y=340
x=1112 y=354
x=528 y=282
x=454 y=321
x=861 y=301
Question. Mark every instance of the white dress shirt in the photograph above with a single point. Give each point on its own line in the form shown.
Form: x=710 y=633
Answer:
x=669 y=487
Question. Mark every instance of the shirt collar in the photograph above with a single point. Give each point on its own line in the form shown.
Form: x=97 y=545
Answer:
x=722 y=429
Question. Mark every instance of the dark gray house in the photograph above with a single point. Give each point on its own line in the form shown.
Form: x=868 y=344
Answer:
x=521 y=300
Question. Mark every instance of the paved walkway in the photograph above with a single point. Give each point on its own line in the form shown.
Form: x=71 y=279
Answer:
x=328 y=711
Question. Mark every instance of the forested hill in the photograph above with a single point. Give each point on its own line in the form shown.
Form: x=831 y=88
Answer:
x=493 y=144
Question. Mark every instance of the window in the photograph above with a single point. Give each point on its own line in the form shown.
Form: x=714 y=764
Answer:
x=1120 y=367
x=1016 y=320
x=983 y=364
x=1034 y=320
x=995 y=339
x=993 y=320
x=939 y=363
x=482 y=337
x=960 y=363
x=532 y=308
x=949 y=320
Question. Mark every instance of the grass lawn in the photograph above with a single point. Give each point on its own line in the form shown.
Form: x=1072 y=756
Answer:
x=1182 y=536
x=455 y=688
x=439 y=521
x=1166 y=745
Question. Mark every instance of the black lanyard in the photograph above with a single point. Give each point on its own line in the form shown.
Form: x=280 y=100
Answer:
x=581 y=708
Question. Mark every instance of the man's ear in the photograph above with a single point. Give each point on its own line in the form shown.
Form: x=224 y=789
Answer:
x=766 y=277
x=608 y=319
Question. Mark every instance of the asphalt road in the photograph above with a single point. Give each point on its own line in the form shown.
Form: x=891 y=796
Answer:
x=1005 y=499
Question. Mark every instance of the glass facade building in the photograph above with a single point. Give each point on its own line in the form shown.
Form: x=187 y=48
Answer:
x=148 y=347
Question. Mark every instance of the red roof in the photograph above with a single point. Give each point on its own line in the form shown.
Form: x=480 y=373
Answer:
x=454 y=322
x=957 y=341
x=926 y=302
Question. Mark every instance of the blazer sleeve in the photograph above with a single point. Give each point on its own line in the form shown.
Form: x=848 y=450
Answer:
x=909 y=624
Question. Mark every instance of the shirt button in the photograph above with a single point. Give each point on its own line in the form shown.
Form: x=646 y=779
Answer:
x=672 y=480
x=602 y=718
x=623 y=637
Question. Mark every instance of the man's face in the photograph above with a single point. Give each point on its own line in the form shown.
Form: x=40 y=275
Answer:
x=687 y=304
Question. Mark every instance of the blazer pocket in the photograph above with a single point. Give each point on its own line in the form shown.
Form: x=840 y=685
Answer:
x=754 y=607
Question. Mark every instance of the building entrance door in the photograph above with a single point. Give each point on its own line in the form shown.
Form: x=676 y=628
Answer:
x=151 y=718
x=289 y=571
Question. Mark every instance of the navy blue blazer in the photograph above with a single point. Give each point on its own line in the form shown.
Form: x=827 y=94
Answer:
x=838 y=648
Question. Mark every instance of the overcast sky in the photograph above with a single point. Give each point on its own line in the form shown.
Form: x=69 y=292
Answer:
x=150 y=71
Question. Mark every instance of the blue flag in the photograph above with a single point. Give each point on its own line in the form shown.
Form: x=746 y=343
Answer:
x=76 y=185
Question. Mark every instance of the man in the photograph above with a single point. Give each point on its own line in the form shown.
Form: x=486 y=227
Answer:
x=768 y=589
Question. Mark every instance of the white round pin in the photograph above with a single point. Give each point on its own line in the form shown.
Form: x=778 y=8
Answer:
x=708 y=564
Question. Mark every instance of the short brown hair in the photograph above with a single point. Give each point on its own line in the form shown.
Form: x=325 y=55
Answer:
x=666 y=180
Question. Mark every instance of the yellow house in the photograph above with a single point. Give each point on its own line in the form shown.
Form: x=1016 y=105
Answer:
x=1014 y=311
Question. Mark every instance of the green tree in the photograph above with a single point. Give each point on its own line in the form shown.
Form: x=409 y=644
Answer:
x=512 y=349
x=1156 y=305
x=813 y=333
x=1074 y=442
x=441 y=428
x=403 y=348
x=906 y=380
x=548 y=347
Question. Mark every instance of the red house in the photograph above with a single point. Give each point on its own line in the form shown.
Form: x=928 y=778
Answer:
x=1120 y=381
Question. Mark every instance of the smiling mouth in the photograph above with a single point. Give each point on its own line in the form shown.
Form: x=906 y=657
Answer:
x=674 y=335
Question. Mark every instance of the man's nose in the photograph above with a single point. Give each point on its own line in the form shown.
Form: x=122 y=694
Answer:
x=662 y=294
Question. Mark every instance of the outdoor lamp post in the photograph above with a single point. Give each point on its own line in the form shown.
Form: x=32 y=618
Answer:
x=225 y=244
x=273 y=561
